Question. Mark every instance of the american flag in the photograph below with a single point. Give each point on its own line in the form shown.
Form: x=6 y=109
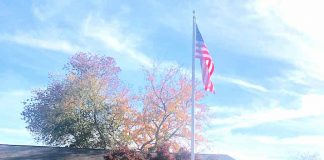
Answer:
x=206 y=61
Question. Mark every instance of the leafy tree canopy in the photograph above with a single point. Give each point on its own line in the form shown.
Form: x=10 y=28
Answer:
x=88 y=107
x=164 y=112
x=83 y=109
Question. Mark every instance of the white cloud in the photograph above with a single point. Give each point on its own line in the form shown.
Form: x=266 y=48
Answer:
x=300 y=24
x=314 y=140
x=110 y=36
x=304 y=15
x=47 y=9
x=311 y=106
x=16 y=93
x=242 y=83
x=19 y=136
x=45 y=43
x=14 y=131
x=244 y=147
x=115 y=39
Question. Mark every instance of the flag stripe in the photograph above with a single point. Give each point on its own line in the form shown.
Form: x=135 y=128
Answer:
x=206 y=62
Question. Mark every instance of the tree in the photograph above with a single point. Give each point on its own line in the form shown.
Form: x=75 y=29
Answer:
x=84 y=108
x=163 y=111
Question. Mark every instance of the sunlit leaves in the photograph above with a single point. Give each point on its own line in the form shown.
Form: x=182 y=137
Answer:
x=165 y=113
x=89 y=107
x=82 y=109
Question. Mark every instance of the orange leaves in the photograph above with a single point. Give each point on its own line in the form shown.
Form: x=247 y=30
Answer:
x=91 y=105
x=164 y=116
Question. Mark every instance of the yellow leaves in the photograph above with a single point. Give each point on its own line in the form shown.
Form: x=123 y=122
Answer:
x=164 y=111
x=160 y=114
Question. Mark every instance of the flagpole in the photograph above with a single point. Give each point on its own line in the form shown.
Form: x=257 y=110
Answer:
x=193 y=89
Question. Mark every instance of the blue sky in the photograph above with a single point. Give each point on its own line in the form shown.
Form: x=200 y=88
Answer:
x=268 y=56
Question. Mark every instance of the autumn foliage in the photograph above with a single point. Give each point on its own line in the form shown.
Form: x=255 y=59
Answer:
x=164 y=114
x=90 y=107
x=163 y=153
x=83 y=108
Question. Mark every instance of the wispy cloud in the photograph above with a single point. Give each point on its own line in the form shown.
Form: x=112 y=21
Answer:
x=44 y=43
x=14 y=131
x=311 y=105
x=242 y=83
x=47 y=9
x=19 y=136
x=111 y=35
x=239 y=146
x=235 y=81
x=298 y=140
x=17 y=93
x=300 y=25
